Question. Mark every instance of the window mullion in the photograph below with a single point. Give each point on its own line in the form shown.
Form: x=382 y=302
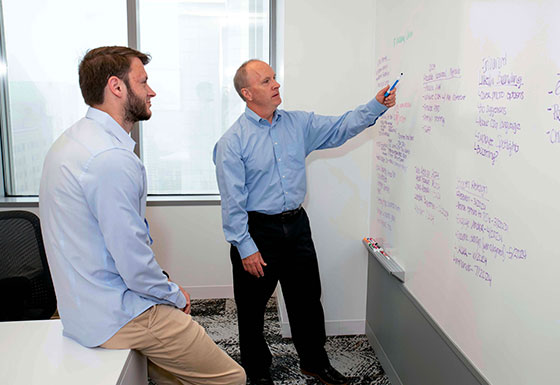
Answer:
x=6 y=169
x=133 y=42
x=272 y=12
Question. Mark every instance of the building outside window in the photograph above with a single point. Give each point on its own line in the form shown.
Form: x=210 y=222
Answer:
x=196 y=47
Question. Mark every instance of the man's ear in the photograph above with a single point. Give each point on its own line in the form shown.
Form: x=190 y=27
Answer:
x=116 y=86
x=247 y=94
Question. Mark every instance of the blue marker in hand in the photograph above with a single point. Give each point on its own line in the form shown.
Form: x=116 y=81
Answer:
x=393 y=86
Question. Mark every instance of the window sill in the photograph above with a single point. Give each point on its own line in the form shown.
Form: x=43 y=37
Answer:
x=183 y=200
x=153 y=200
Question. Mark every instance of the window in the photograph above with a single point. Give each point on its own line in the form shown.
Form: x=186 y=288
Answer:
x=196 y=47
x=44 y=41
x=192 y=72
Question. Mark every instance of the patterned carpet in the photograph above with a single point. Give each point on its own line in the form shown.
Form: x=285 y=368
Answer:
x=351 y=355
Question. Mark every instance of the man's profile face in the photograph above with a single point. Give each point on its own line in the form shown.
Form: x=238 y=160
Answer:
x=262 y=85
x=139 y=93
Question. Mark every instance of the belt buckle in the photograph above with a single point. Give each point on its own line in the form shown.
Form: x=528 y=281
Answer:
x=290 y=213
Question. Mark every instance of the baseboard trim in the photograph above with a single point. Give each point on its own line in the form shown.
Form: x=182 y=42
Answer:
x=285 y=330
x=333 y=328
x=209 y=292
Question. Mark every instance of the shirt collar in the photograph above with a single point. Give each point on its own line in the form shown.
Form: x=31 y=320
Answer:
x=257 y=119
x=112 y=127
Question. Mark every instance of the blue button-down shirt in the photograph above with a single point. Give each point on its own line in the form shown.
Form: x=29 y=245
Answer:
x=260 y=166
x=92 y=205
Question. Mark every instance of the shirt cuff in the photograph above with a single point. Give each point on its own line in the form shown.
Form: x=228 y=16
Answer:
x=247 y=247
x=181 y=301
x=375 y=107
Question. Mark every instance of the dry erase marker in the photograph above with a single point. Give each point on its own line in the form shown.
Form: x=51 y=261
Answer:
x=393 y=86
x=373 y=243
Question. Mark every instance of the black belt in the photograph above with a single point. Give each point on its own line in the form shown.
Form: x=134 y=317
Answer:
x=284 y=215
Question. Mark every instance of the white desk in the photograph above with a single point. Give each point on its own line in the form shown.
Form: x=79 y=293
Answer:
x=36 y=352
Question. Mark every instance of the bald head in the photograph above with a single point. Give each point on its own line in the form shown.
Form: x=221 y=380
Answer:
x=241 y=78
x=255 y=81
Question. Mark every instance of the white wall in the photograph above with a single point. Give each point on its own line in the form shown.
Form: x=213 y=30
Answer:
x=327 y=68
x=189 y=244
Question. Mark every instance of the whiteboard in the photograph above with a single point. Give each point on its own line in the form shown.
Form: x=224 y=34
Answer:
x=466 y=175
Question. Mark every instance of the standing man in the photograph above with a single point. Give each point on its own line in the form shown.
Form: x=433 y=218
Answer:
x=260 y=167
x=111 y=291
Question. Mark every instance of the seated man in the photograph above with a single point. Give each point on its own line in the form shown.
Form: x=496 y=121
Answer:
x=111 y=291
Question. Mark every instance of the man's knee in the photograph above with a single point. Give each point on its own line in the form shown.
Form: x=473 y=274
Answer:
x=238 y=376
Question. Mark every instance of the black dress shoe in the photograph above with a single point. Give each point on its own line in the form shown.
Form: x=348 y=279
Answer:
x=261 y=380
x=328 y=375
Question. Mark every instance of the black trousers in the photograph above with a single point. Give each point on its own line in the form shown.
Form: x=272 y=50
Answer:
x=287 y=248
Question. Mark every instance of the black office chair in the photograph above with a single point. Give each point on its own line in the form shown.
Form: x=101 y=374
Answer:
x=26 y=289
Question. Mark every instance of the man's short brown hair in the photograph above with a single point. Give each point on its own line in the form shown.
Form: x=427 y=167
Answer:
x=99 y=64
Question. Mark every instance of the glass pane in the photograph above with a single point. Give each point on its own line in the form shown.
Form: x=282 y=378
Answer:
x=45 y=40
x=196 y=47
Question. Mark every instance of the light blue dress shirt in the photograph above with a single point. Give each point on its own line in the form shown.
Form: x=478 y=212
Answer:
x=92 y=203
x=260 y=166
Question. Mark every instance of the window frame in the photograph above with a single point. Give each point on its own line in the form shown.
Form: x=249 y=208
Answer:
x=4 y=115
x=133 y=31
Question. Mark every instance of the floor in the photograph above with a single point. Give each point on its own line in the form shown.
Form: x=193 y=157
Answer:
x=351 y=355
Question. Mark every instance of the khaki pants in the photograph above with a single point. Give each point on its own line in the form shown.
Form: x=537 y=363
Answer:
x=178 y=349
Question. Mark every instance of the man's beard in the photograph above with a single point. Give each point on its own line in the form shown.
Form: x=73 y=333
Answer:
x=135 y=108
